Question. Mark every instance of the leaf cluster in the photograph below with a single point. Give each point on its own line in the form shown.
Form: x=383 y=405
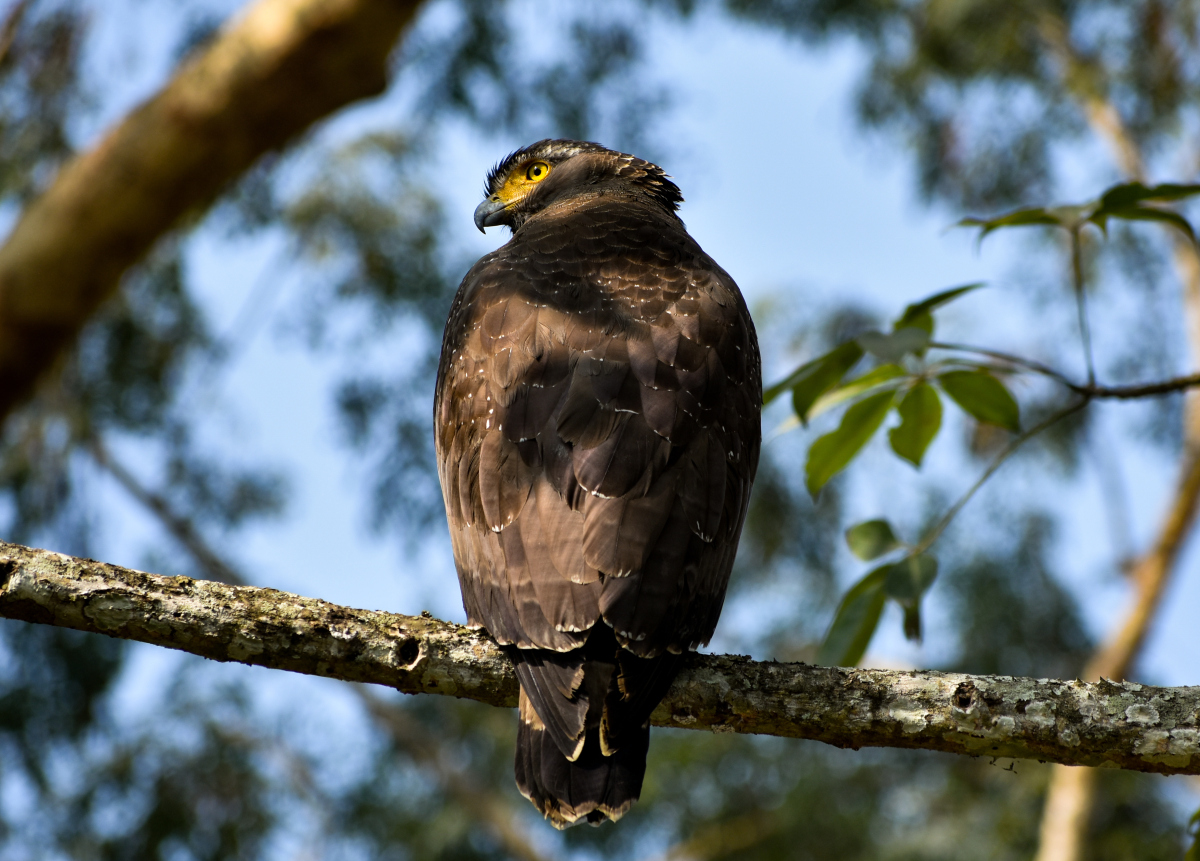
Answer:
x=901 y=379
x=1130 y=201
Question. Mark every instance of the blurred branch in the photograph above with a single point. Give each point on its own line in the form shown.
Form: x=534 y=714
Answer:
x=1071 y=795
x=277 y=69
x=1113 y=724
x=181 y=529
x=1083 y=80
x=8 y=30
x=426 y=750
x=1150 y=575
x=727 y=838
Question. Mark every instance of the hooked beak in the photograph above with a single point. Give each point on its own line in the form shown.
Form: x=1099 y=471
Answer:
x=489 y=213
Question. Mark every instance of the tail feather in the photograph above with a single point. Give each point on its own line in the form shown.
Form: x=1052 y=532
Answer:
x=594 y=788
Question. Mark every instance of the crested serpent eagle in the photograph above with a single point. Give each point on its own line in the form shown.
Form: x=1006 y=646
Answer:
x=597 y=431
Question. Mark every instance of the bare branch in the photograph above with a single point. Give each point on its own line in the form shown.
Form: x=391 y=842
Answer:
x=275 y=71
x=1141 y=390
x=1120 y=725
x=181 y=528
x=1090 y=391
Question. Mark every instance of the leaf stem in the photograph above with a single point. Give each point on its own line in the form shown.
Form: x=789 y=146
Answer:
x=997 y=462
x=1046 y=370
x=1085 y=329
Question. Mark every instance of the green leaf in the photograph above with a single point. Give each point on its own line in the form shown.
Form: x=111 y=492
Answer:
x=885 y=376
x=830 y=454
x=871 y=539
x=983 y=397
x=1017 y=218
x=894 y=347
x=920 y=420
x=1147 y=213
x=919 y=315
x=822 y=373
x=1133 y=193
x=906 y=582
x=1193 y=829
x=855 y=622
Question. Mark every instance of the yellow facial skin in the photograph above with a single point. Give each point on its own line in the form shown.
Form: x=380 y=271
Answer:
x=521 y=181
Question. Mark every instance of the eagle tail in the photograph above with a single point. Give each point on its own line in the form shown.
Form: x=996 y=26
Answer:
x=594 y=788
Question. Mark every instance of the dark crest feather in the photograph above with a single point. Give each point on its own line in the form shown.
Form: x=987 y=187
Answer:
x=555 y=151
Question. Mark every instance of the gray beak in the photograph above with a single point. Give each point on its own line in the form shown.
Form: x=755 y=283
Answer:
x=489 y=213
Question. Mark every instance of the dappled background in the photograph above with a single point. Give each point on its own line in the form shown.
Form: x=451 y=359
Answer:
x=255 y=404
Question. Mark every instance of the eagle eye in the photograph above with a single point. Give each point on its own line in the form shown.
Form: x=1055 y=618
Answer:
x=537 y=171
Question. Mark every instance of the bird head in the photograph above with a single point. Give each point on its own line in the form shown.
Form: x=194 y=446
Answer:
x=544 y=173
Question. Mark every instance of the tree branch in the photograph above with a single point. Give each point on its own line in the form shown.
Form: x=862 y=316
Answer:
x=1088 y=390
x=275 y=71
x=1117 y=725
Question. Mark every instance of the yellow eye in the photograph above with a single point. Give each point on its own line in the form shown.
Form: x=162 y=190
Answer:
x=537 y=171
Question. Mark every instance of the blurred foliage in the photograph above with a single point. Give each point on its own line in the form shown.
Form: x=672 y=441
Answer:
x=987 y=94
x=40 y=90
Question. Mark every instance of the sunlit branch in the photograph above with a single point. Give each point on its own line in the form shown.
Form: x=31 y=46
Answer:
x=278 y=68
x=727 y=838
x=1120 y=725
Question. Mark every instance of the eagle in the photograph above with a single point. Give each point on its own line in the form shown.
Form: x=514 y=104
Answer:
x=597 y=433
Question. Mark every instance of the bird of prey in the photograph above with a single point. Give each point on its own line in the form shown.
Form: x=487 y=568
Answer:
x=597 y=430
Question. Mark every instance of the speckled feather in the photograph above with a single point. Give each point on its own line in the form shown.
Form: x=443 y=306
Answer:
x=597 y=429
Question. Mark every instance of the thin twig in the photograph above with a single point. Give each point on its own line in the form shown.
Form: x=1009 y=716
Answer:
x=1141 y=390
x=997 y=462
x=1085 y=328
x=1089 y=391
x=180 y=528
x=8 y=31
x=1046 y=370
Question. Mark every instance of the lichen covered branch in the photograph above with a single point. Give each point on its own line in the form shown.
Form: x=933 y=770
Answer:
x=1120 y=725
